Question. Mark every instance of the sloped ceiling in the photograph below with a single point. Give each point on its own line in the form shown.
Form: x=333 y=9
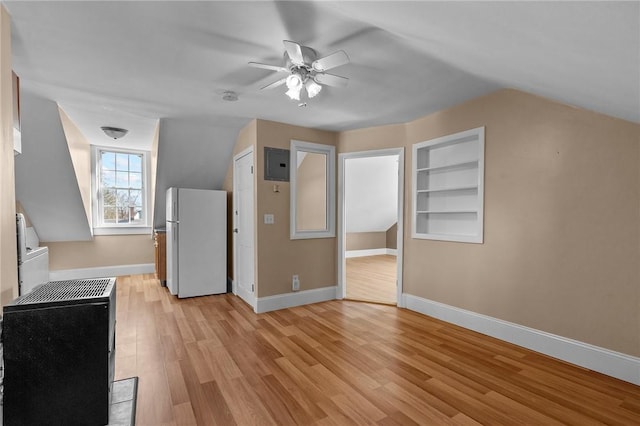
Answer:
x=46 y=183
x=188 y=157
x=106 y=61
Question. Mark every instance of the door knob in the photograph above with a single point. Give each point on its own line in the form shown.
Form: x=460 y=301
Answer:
x=235 y=230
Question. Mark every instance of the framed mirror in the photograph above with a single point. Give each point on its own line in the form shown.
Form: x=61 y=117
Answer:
x=312 y=173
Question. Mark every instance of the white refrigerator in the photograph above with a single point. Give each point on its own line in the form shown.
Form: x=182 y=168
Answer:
x=196 y=242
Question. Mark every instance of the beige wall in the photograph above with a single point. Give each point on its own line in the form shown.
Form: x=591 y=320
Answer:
x=562 y=207
x=366 y=240
x=391 y=237
x=561 y=235
x=80 y=152
x=8 y=244
x=370 y=138
x=279 y=257
x=103 y=250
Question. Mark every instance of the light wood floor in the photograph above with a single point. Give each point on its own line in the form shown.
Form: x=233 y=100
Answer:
x=372 y=279
x=212 y=361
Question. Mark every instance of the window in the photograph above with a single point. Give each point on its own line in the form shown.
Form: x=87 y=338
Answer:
x=120 y=190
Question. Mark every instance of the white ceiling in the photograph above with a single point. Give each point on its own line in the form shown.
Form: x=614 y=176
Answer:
x=134 y=64
x=119 y=63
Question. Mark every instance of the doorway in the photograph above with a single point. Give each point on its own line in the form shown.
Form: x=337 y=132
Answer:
x=370 y=227
x=243 y=227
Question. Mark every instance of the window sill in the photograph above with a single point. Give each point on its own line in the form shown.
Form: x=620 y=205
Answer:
x=122 y=230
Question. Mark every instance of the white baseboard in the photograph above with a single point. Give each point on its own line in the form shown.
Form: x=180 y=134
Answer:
x=370 y=252
x=103 y=271
x=299 y=298
x=605 y=361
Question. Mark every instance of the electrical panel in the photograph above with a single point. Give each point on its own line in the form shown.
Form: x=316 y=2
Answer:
x=276 y=164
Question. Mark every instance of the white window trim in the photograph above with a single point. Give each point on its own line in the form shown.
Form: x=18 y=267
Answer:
x=101 y=229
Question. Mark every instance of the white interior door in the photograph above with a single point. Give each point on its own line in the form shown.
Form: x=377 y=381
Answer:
x=243 y=230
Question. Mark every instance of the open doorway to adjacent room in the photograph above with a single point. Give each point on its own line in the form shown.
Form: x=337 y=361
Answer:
x=370 y=235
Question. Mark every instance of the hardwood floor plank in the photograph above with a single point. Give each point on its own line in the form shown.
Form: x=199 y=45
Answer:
x=204 y=401
x=177 y=386
x=183 y=415
x=199 y=362
x=358 y=408
x=335 y=416
x=372 y=279
x=244 y=404
x=522 y=412
x=220 y=362
x=278 y=408
x=301 y=409
x=221 y=413
x=212 y=361
x=525 y=395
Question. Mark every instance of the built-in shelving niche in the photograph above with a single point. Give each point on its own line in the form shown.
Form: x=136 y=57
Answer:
x=448 y=190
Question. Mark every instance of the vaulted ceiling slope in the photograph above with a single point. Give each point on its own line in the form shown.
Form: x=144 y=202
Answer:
x=173 y=60
x=46 y=183
x=188 y=157
x=168 y=59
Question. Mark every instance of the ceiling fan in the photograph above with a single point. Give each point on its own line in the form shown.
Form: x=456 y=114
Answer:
x=305 y=70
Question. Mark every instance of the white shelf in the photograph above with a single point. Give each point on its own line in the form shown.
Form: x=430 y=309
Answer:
x=445 y=211
x=469 y=164
x=456 y=188
x=448 y=192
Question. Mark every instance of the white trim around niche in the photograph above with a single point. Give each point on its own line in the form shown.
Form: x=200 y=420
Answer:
x=605 y=361
x=299 y=298
x=102 y=271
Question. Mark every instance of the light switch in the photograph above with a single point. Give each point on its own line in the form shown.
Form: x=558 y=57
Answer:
x=269 y=219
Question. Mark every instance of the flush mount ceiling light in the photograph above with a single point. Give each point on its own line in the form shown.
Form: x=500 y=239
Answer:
x=230 y=96
x=114 y=132
x=305 y=71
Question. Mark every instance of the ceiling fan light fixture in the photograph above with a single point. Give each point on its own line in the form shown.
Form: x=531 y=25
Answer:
x=294 y=81
x=313 y=88
x=306 y=72
x=294 y=93
x=114 y=132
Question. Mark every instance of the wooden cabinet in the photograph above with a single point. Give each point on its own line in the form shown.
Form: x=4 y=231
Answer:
x=160 y=242
x=448 y=175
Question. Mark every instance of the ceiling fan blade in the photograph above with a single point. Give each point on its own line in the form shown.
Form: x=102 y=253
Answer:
x=294 y=51
x=275 y=84
x=331 y=61
x=268 y=67
x=331 y=80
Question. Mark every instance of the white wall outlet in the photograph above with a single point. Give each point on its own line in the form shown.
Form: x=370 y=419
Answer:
x=269 y=219
x=295 y=283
